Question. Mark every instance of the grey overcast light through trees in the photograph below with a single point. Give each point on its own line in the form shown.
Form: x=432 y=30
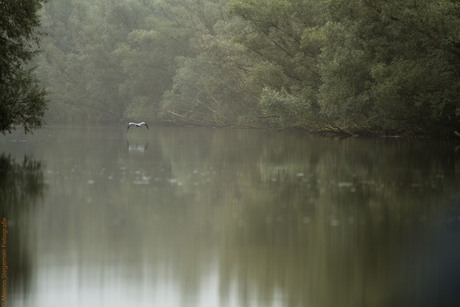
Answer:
x=357 y=66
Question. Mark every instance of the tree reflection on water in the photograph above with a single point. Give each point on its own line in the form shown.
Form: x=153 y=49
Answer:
x=234 y=218
x=22 y=185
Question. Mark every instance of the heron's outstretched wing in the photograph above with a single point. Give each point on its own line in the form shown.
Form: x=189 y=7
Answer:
x=129 y=125
x=147 y=126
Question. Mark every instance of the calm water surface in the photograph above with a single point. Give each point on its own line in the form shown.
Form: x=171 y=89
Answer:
x=198 y=217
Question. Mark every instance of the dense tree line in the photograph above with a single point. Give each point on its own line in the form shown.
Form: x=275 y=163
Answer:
x=348 y=66
x=22 y=98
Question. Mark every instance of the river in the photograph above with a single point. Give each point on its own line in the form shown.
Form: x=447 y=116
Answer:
x=98 y=216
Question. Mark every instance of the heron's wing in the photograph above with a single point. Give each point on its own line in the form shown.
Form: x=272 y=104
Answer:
x=129 y=125
x=146 y=126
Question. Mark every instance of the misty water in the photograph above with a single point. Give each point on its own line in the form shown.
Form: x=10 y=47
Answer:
x=173 y=217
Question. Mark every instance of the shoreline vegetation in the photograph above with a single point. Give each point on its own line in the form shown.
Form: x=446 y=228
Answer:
x=301 y=131
x=355 y=67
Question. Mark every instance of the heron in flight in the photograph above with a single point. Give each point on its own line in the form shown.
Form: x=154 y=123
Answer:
x=137 y=125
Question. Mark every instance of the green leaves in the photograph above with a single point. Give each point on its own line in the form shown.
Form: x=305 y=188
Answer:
x=380 y=66
x=385 y=65
x=22 y=99
x=355 y=66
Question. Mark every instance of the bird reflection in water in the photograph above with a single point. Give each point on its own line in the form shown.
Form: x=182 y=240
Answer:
x=137 y=147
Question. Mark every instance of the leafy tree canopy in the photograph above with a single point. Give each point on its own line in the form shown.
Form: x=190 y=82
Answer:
x=345 y=66
x=22 y=99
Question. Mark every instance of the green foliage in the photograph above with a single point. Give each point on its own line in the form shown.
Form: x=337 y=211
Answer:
x=209 y=88
x=392 y=66
x=282 y=107
x=282 y=39
x=22 y=99
x=355 y=66
x=369 y=66
x=103 y=57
